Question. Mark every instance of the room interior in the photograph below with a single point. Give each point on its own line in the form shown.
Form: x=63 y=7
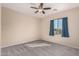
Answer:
x=23 y=24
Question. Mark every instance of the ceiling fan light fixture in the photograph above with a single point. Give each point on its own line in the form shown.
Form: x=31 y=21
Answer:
x=40 y=10
x=55 y=9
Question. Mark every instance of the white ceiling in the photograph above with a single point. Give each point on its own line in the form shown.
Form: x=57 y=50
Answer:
x=25 y=8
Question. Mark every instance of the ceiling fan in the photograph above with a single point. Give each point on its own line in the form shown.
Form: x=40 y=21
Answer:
x=41 y=8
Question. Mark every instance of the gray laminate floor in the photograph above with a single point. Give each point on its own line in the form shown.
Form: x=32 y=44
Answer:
x=53 y=50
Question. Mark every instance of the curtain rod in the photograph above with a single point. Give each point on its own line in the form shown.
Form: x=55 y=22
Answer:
x=59 y=18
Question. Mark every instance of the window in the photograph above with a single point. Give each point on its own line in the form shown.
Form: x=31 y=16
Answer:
x=58 y=27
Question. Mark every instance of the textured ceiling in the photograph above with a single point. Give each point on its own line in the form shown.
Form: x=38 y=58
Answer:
x=25 y=8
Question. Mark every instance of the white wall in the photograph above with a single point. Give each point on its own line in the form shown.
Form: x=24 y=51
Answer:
x=18 y=28
x=73 y=23
x=0 y=29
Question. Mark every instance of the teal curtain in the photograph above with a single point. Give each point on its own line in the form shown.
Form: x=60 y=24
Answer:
x=65 y=32
x=51 y=33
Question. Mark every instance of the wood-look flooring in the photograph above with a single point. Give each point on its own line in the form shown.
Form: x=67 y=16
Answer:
x=53 y=50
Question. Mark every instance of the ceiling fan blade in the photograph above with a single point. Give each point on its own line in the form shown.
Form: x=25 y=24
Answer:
x=47 y=8
x=36 y=11
x=34 y=7
x=43 y=12
x=41 y=5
